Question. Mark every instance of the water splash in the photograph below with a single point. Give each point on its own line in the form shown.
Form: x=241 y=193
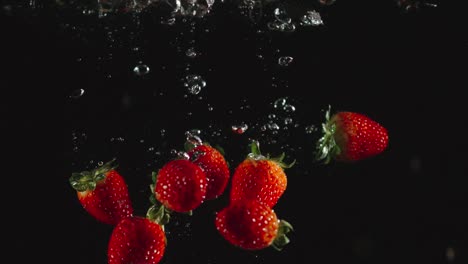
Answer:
x=311 y=18
x=282 y=22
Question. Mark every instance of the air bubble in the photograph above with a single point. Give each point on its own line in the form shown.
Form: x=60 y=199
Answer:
x=285 y=61
x=191 y=53
x=239 y=129
x=280 y=102
x=194 y=83
x=141 y=69
x=77 y=93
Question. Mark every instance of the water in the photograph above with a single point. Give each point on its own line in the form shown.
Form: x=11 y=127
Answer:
x=231 y=75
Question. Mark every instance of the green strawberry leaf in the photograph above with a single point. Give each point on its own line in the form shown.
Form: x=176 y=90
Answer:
x=281 y=239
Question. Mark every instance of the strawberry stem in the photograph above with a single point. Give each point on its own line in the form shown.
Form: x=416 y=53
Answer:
x=255 y=148
x=87 y=180
x=281 y=239
x=256 y=154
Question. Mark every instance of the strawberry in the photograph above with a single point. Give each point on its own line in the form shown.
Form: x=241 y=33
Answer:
x=215 y=167
x=103 y=193
x=136 y=240
x=349 y=136
x=259 y=178
x=251 y=225
x=180 y=185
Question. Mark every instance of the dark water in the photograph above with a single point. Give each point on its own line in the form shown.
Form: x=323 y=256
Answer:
x=404 y=69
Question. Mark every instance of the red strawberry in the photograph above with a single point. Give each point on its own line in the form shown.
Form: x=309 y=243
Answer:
x=252 y=225
x=136 y=240
x=259 y=178
x=350 y=136
x=103 y=193
x=180 y=185
x=215 y=167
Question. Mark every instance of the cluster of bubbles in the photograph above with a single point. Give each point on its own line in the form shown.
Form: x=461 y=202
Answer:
x=193 y=8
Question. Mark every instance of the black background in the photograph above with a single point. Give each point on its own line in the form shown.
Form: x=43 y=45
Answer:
x=406 y=70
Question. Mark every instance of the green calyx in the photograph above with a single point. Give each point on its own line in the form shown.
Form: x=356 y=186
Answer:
x=256 y=154
x=281 y=239
x=87 y=180
x=327 y=148
x=157 y=212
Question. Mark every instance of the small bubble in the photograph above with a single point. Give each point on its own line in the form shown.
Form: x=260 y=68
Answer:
x=239 y=129
x=271 y=116
x=88 y=12
x=289 y=108
x=273 y=126
x=100 y=163
x=163 y=132
x=280 y=102
x=285 y=61
x=191 y=53
x=77 y=93
x=282 y=26
x=183 y=155
x=310 y=129
x=193 y=137
x=288 y=121
x=141 y=69
x=169 y=21
x=326 y=2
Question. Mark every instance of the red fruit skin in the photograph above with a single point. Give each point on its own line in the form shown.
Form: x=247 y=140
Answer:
x=181 y=185
x=358 y=136
x=260 y=180
x=247 y=224
x=136 y=240
x=109 y=202
x=215 y=167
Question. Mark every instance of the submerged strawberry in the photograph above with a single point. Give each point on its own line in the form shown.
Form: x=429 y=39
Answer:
x=180 y=185
x=259 y=178
x=136 y=240
x=215 y=167
x=103 y=193
x=251 y=225
x=349 y=136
